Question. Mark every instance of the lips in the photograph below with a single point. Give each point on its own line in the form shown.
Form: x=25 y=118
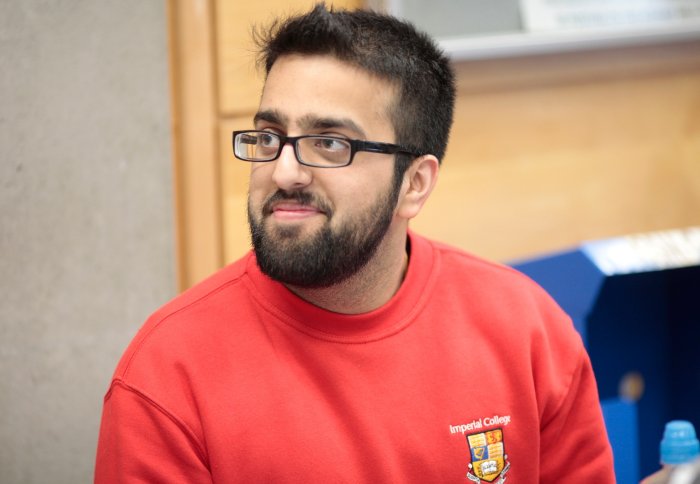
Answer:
x=292 y=211
x=294 y=206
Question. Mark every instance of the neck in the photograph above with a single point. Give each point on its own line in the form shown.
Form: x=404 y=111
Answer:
x=368 y=289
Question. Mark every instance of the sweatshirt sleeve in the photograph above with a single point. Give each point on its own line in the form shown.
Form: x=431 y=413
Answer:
x=140 y=441
x=574 y=442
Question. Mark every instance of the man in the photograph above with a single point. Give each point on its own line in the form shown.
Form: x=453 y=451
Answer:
x=345 y=348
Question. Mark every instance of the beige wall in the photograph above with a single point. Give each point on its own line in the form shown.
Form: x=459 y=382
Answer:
x=86 y=225
x=550 y=151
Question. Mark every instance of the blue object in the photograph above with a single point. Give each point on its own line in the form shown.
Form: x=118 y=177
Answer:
x=641 y=322
x=621 y=423
x=679 y=445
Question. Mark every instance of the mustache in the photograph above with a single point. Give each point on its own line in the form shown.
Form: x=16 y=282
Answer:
x=298 y=196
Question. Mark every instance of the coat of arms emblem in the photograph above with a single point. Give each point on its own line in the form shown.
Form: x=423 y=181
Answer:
x=488 y=457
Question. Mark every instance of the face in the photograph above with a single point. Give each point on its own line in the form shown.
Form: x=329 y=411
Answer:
x=315 y=227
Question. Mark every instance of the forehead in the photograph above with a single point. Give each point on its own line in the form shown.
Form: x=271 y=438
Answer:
x=300 y=89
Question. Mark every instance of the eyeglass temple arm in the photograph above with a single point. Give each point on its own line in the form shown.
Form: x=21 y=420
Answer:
x=376 y=147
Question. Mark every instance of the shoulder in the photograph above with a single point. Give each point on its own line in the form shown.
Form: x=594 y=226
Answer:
x=208 y=288
x=182 y=321
x=511 y=314
x=501 y=299
x=485 y=277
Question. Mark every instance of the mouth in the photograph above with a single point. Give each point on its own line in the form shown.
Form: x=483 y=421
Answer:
x=294 y=206
x=294 y=211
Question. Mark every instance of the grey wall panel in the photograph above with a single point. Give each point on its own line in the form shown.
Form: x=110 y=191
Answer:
x=86 y=218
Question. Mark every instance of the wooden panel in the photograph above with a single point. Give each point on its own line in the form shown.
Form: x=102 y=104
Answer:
x=543 y=164
x=240 y=83
x=195 y=153
x=234 y=187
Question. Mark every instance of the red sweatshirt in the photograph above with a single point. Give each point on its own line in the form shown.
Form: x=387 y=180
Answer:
x=470 y=373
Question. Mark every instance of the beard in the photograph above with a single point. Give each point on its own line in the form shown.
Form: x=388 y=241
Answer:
x=329 y=255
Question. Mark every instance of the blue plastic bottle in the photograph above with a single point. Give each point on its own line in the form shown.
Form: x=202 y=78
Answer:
x=679 y=446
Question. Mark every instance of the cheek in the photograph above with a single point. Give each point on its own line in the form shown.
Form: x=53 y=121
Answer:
x=361 y=200
x=258 y=174
x=258 y=184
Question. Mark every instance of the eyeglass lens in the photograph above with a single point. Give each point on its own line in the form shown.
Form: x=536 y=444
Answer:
x=311 y=150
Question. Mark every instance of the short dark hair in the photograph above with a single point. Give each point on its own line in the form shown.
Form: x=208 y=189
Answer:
x=386 y=47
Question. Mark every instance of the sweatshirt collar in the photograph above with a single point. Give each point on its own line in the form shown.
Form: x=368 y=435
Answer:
x=391 y=318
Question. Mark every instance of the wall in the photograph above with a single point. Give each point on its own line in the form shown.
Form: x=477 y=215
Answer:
x=86 y=224
x=549 y=151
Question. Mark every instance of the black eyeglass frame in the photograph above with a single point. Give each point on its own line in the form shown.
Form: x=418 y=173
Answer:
x=356 y=145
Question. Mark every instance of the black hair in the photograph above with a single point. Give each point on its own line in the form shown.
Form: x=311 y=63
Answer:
x=384 y=46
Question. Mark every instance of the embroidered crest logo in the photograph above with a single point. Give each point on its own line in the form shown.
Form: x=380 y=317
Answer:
x=488 y=458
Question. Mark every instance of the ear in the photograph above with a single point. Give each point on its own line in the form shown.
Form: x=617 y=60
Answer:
x=418 y=182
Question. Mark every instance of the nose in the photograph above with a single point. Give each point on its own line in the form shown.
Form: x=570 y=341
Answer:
x=288 y=173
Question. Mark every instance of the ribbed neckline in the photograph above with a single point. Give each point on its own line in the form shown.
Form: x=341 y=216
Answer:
x=389 y=319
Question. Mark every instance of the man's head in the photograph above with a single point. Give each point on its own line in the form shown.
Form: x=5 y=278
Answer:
x=347 y=76
x=387 y=48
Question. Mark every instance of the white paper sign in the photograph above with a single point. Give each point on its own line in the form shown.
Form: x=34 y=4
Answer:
x=646 y=252
x=592 y=15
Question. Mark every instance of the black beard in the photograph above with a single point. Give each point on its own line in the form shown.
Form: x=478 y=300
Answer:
x=327 y=257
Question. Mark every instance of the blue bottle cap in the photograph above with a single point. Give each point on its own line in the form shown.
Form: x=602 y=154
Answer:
x=679 y=444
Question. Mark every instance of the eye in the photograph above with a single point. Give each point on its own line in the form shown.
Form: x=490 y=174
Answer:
x=268 y=140
x=331 y=144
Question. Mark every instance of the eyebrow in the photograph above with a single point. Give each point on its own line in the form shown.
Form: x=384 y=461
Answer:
x=271 y=116
x=310 y=121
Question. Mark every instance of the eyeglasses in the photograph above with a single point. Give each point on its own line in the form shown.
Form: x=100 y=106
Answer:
x=310 y=150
